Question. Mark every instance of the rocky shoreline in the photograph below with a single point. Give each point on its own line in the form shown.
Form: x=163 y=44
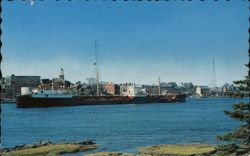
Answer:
x=54 y=149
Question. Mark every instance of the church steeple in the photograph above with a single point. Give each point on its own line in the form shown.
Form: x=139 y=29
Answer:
x=61 y=76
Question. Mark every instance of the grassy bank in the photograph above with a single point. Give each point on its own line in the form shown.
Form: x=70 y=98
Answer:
x=166 y=150
x=50 y=150
x=159 y=150
x=178 y=149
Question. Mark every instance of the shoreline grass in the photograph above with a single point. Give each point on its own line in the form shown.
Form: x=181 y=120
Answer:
x=50 y=150
x=188 y=149
x=166 y=150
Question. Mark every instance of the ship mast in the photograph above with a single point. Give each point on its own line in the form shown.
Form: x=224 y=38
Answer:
x=159 y=87
x=96 y=69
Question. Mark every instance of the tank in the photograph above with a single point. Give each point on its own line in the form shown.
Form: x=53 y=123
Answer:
x=26 y=91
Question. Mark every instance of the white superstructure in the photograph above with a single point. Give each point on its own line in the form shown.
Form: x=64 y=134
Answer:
x=51 y=94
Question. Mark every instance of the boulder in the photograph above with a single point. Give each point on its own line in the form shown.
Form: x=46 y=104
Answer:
x=31 y=146
x=88 y=142
x=44 y=143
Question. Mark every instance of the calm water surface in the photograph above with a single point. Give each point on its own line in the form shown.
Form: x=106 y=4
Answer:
x=120 y=127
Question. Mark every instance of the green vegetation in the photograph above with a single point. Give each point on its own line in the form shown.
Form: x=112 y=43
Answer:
x=50 y=150
x=177 y=149
x=166 y=150
x=240 y=137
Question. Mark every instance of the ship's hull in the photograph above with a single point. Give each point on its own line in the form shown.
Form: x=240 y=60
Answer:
x=28 y=101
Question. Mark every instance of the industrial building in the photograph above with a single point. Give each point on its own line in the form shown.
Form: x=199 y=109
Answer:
x=12 y=84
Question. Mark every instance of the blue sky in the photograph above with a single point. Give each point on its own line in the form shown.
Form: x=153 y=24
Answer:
x=138 y=41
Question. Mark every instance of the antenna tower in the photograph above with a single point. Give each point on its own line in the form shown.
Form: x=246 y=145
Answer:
x=213 y=85
x=96 y=69
x=159 y=87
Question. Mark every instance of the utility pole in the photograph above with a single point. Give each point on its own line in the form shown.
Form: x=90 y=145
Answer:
x=159 y=86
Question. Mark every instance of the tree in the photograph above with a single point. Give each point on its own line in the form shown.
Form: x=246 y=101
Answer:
x=241 y=111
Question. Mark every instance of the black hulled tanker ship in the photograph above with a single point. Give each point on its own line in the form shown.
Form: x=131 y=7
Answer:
x=55 y=99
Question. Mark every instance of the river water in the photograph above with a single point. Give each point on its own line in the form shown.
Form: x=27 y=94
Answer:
x=120 y=127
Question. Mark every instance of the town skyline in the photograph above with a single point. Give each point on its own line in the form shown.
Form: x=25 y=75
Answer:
x=137 y=43
x=86 y=81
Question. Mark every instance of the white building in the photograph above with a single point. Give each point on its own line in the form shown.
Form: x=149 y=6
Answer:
x=198 y=90
x=202 y=90
x=134 y=90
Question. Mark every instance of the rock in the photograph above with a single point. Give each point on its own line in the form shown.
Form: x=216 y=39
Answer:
x=88 y=142
x=6 y=150
x=31 y=146
x=110 y=154
x=18 y=147
x=246 y=154
x=74 y=142
x=44 y=143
